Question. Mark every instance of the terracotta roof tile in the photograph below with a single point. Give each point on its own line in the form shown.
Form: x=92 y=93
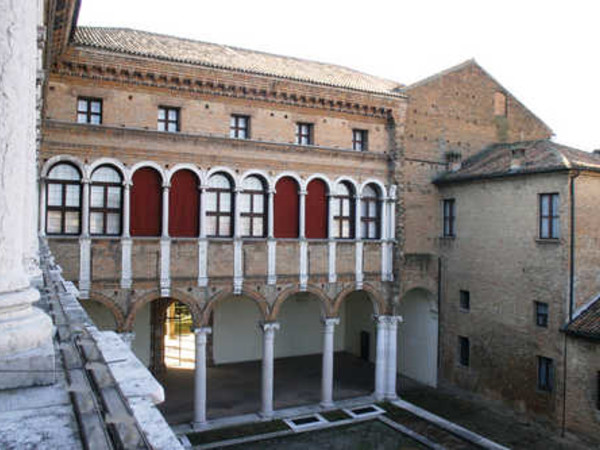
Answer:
x=587 y=323
x=537 y=156
x=142 y=43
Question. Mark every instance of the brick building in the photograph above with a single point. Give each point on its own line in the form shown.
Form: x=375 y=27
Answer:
x=233 y=188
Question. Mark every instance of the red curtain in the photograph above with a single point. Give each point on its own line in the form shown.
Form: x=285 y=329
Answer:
x=146 y=203
x=287 y=208
x=183 y=204
x=316 y=210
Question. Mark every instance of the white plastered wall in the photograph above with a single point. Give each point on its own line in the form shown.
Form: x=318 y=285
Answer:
x=418 y=337
x=141 y=328
x=358 y=317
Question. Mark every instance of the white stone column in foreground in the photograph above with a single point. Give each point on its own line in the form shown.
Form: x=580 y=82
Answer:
x=26 y=350
x=267 y=368
x=327 y=370
x=200 y=377
x=392 y=370
x=381 y=356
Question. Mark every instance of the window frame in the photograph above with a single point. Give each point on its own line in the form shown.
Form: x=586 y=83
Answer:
x=252 y=215
x=541 y=318
x=360 y=140
x=340 y=219
x=553 y=231
x=218 y=213
x=449 y=217
x=304 y=133
x=464 y=351
x=367 y=220
x=105 y=210
x=63 y=208
x=166 y=121
x=235 y=129
x=545 y=374
x=88 y=110
x=465 y=299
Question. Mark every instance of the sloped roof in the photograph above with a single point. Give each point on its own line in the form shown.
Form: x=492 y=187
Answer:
x=587 y=323
x=538 y=156
x=170 y=48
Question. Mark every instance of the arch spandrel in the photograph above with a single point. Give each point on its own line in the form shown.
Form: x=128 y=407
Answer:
x=324 y=300
x=258 y=299
x=149 y=297
x=377 y=298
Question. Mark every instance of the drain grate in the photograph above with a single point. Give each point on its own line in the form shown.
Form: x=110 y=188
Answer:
x=364 y=411
x=304 y=422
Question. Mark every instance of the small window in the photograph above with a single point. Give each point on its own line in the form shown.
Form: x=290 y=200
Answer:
x=343 y=211
x=500 y=104
x=168 y=119
x=545 y=379
x=304 y=133
x=549 y=218
x=89 y=110
x=465 y=300
x=464 y=351
x=449 y=217
x=541 y=314
x=63 y=200
x=105 y=201
x=239 y=127
x=360 y=140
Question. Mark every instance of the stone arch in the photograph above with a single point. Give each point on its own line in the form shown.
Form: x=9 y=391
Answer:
x=233 y=177
x=350 y=181
x=112 y=306
x=112 y=162
x=260 y=174
x=379 y=303
x=323 y=178
x=63 y=159
x=382 y=189
x=324 y=300
x=294 y=176
x=149 y=297
x=257 y=298
x=185 y=166
x=153 y=165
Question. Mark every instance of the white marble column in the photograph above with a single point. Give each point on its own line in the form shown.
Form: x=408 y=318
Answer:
x=200 y=377
x=381 y=356
x=392 y=369
x=165 y=246
x=126 y=243
x=165 y=211
x=271 y=242
x=391 y=232
x=331 y=253
x=269 y=329
x=238 y=251
x=202 y=241
x=384 y=238
x=327 y=368
x=85 y=245
x=358 y=250
x=26 y=349
x=302 y=220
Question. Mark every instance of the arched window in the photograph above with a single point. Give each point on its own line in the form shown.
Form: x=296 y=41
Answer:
x=184 y=201
x=252 y=207
x=106 y=198
x=146 y=203
x=287 y=208
x=219 y=206
x=316 y=210
x=343 y=211
x=370 y=212
x=63 y=200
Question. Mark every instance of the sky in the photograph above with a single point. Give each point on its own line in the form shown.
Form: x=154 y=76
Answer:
x=546 y=53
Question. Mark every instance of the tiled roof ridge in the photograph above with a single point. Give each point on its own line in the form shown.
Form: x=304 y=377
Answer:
x=95 y=32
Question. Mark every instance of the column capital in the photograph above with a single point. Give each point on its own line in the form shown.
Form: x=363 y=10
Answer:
x=166 y=185
x=85 y=180
x=302 y=192
x=269 y=326
x=331 y=321
x=202 y=330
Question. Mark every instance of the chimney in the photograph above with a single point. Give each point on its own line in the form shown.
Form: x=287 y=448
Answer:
x=517 y=158
x=453 y=161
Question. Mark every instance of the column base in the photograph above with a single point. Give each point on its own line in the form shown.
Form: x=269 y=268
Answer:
x=265 y=415
x=30 y=368
x=199 y=426
x=327 y=405
x=391 y=397
x=379 y=397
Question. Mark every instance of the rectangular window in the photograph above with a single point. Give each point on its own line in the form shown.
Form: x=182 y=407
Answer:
x=304 y=133
x=541 y=314
x=360 y=140
x=549 y=218
x=239 y=127
x=465 y=300
x=464 y=351
x=168 y=119
x=449 y=217
x=545 y=374
x=89 y=110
